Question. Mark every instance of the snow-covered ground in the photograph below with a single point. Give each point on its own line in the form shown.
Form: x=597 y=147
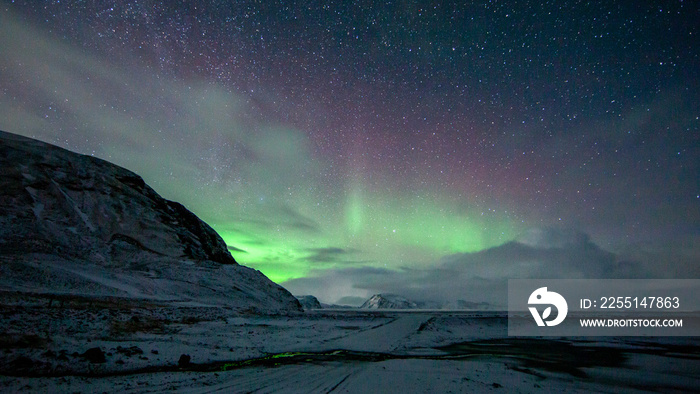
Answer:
x=317 y=351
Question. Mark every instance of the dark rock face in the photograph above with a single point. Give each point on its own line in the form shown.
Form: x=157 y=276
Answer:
x=184 y=360
x=309 y=302
x=94 y=355
x=75 y=206
x=71 y=223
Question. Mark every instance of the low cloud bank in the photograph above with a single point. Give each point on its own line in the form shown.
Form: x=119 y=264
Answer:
x=483 y=276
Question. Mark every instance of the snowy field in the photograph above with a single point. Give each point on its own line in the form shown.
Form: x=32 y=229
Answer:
x=76 y=345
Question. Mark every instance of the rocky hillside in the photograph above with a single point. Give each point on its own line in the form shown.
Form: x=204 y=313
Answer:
x=75 y=224
x=309 y=302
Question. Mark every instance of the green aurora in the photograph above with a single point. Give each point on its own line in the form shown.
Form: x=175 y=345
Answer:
x=369 y=229
x=382 y=138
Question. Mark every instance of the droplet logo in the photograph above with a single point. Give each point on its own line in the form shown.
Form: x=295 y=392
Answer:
x=543 y=297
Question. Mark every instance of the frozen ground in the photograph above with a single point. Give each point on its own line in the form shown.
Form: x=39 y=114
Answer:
x=44 y=347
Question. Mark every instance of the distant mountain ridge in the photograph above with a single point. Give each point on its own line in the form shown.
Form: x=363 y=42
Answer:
x=388 y=301
x=393 y=301
x=72 y=223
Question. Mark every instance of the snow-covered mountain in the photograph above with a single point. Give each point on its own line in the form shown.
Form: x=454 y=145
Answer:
x=393 y=301
x=388 y=301
x=71 y=223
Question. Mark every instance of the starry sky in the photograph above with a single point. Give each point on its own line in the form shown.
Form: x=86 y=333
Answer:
x=351 y=147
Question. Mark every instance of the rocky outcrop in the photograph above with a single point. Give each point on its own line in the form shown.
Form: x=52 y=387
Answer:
x=75 y=206
x=309 y=302
x=78 y=224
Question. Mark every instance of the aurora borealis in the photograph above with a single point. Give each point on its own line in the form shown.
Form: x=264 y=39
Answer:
x=323 y=138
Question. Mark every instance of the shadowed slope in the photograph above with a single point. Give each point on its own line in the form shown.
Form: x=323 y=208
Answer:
x=75 y=223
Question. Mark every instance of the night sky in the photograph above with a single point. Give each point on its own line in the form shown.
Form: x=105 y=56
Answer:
x=346 y=148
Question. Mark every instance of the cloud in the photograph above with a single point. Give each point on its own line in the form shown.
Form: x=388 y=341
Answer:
x=549 y=237
x=235 y=249
x=352 y=301
x=187 y=138
x=667 y=259
x=480 y=276
x=198 y=143
x=294 y=219
x=327 y=255
x=331 y=285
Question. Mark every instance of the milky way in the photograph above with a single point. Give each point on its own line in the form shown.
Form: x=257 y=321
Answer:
x=336 y=135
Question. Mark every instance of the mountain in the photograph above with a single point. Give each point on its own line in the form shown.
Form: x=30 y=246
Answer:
x=393 y=301
x=309 y=302
x=388 y=301
x=75 y=224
